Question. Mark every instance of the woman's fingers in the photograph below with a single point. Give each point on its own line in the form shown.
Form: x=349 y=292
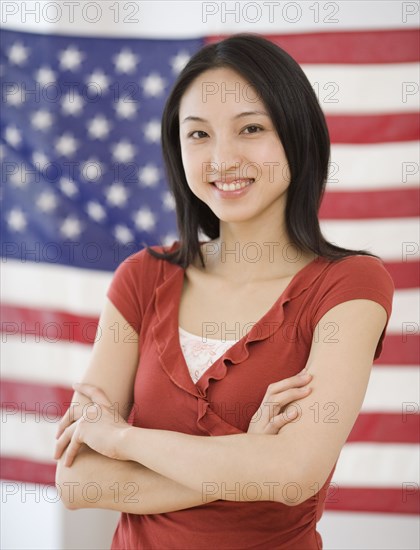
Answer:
x=75 y=411
x=298 y=380
x=64 y=440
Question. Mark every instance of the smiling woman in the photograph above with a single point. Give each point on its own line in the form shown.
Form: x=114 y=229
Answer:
x=246 y=150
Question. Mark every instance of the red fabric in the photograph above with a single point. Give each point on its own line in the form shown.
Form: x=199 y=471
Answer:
x=147 y=292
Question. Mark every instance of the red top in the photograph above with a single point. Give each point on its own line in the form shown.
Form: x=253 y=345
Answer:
x=147 y=293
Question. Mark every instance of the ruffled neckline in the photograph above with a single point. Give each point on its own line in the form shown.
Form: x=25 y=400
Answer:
x=166 y=331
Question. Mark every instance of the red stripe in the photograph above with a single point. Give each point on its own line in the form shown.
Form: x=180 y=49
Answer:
x=357 y=205
x=405 y=274
x=400 y=349
x=49 y=403
x=403 y=500
x=47 y=325
x=387 y=427
x=374 y=128
x=373 y=46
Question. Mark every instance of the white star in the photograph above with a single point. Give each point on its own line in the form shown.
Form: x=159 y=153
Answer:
x=47 y=201
x=123 y=234
x=14 y=95
x=40 y=160
x=18 y=54
x=179 y=61
x=45 y=76
x=116 y=194
x=41 y=119
x=169 y=239
x=92 y=169
x=168 y=201
x=125 y=107
x=71 y=227
x=152 y=131
x=98 y=127
x=96 y=211
x=16 y=219
x=18 y=178
x=123 y=151
x=70 y=58
x=153 y=85
x=98 y=81
x=66 y=145
x=126 y=61
x=72 y=103
x=68 y=187
x=144 y=219
x=12 y=136
x=149 y=175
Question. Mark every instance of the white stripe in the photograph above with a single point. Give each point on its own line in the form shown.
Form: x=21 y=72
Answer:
x=60 y=363
x=78 y=292
x=377 y=465
x=405 y=313
x=387 y=238
x=359 y=89
x=374 y=166
x=187 y=19
x=63 y=363
x=393 y=390
x=74 y=290
x=32 y=436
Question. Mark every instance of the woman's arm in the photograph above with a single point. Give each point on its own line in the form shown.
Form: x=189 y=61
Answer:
x=96 y=481
x=112 y=368
x=302 y=454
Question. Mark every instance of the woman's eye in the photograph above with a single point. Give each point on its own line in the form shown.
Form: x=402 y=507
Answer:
x=254 y=127
x=196 y=132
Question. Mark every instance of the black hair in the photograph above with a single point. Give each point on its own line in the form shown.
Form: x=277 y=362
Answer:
x=300 y=124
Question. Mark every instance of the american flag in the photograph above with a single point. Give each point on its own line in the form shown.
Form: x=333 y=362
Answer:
x=84 y=187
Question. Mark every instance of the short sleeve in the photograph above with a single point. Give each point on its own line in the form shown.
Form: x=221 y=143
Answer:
x=355 y=277
x=125 y=290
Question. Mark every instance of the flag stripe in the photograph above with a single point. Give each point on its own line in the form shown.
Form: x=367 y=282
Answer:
x=402 y=348
x=404 y=500
x=380 y=128
x=387 y=427
x=388 y=203
x=339 y=88
x=373 y=166
x=374 y=46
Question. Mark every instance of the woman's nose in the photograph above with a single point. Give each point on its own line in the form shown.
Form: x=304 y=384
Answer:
x=225 y=157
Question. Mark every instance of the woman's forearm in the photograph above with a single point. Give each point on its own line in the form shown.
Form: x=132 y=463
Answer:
x=96 y=481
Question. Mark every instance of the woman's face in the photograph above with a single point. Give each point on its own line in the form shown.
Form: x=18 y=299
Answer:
x=228 y=145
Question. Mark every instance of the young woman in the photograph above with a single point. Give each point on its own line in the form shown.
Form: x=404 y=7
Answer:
x=212 y=335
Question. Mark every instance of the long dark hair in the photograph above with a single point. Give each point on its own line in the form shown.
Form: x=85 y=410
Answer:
x=300 y=124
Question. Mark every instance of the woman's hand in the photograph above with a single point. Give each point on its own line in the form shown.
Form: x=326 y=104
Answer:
x=100 y=426
x=272 y=414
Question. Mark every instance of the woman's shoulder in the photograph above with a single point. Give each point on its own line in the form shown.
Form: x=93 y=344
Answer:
x=360 y=268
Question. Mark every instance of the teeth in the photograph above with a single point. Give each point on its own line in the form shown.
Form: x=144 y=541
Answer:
x=233 y=186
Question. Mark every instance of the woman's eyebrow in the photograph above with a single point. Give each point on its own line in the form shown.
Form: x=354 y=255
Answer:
x=240 y=115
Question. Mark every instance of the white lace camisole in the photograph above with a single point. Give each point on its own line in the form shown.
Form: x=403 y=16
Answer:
x=199 y=354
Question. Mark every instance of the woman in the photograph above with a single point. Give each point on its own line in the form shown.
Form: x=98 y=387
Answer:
x=246 y=150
